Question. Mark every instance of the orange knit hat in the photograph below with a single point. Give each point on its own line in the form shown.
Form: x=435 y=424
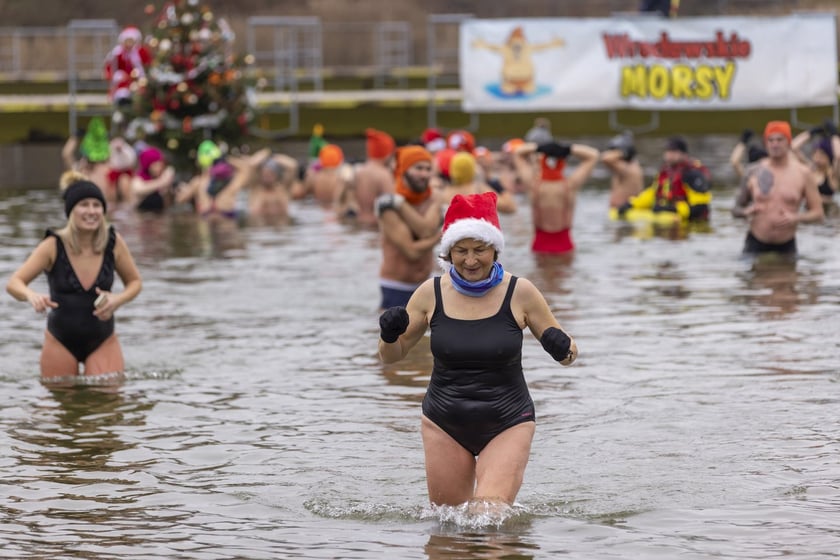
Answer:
x=778 y=127
x=330 y=156
x=406 y=157
x=511 y=145
x=379 y=145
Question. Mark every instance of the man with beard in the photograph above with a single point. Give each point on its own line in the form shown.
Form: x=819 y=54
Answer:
x=409 y=222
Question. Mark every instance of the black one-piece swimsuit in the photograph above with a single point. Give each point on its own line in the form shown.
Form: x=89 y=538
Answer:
x=72 y=323
x=477 y=389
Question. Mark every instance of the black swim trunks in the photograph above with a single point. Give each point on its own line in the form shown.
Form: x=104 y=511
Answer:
x=753 y=246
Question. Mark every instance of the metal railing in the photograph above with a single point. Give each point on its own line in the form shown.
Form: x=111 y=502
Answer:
x=295 y=54
x=88 y=43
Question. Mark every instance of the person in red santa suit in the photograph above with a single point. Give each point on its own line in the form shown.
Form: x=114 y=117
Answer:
x=126 y=63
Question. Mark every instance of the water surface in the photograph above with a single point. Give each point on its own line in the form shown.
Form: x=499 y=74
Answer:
x=256 y=422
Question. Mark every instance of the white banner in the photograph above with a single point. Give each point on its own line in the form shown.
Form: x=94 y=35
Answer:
x=648 y=63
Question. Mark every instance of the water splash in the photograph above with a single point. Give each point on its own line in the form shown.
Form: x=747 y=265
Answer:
x=479 y=514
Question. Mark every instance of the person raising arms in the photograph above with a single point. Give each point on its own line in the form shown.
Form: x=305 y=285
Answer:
x=824 y=161
x=554 y=196
x=754 y=153
x=80 y=261
x=478 y=417
x=626 y=175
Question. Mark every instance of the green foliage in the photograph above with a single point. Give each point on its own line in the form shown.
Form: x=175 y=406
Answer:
x=197 y=88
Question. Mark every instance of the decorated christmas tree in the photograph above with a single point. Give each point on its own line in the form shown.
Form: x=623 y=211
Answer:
x=196 y=87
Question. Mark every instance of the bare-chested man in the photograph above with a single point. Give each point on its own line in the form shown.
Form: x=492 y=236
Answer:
x=410 y=224
x=627 y=177
x=520 y=169
x=270 y=190
x=375 y=176
x=324 y=179
x=554 y=197
x=771 y=194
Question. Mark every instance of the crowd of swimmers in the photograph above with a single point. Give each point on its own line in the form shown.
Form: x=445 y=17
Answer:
x=435 y=203
x=403 y=191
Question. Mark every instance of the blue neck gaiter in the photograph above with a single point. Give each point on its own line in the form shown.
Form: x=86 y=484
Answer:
x=477 y=289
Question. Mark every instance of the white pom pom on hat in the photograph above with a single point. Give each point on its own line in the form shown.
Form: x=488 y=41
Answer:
x=472 y=216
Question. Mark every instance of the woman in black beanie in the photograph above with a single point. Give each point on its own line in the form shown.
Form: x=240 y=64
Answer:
x=79 y=261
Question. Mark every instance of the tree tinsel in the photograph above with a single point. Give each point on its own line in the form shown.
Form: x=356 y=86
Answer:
x=196 y=87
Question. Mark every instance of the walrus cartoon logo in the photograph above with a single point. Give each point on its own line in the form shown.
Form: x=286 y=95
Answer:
x=518 y=77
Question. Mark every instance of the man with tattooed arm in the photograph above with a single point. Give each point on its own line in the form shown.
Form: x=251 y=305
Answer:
x=771 y=195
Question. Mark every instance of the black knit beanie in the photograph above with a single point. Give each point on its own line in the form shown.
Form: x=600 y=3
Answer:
x=79 y=191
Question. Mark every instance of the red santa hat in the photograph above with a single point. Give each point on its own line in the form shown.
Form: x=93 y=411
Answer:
x=472 y=216
x=551 y=168
x=433 y=140
x=461 y=141
x=130 y=32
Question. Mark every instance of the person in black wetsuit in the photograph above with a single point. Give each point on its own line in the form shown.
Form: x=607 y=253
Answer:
x=80 y=261
x=478 y=417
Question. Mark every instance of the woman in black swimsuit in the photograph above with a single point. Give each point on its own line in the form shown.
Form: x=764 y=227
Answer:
x=824 y=160
x=79 y=260
x=478 y=417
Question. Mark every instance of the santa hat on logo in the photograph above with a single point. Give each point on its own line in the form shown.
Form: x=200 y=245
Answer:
x=471 y=216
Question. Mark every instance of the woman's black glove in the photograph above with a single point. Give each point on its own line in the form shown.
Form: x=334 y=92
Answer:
x=556 y=343
x=392 y=323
